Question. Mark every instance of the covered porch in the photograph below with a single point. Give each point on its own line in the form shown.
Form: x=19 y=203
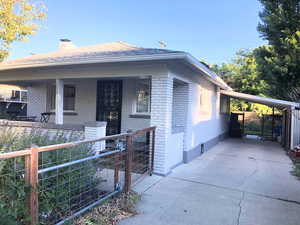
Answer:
x=127 y=99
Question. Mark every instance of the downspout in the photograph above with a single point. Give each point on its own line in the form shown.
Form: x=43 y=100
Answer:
x=292 y=128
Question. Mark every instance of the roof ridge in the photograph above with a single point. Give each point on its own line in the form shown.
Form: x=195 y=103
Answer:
x=127 y=44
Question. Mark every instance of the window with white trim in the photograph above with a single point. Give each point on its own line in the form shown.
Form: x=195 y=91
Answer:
x=69 y=97
x=142 y=103
x=224 y=104
x=17 y=96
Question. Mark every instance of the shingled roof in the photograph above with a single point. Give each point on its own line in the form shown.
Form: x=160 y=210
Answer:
x=113 y=49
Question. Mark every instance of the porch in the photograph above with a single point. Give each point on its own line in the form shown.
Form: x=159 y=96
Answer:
x=125 y=103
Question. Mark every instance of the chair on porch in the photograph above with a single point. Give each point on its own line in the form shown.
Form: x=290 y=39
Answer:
x=45 y=116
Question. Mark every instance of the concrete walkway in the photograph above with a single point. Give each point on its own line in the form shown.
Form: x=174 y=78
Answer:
x=238 y=182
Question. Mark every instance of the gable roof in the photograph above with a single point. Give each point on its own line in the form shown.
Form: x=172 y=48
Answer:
x=108 y=52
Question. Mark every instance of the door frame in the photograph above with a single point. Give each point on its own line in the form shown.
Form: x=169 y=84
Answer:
x=120 y=97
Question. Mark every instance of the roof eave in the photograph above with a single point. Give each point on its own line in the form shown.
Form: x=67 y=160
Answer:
x=105 y=59
x=168 y=56
x=210 y=75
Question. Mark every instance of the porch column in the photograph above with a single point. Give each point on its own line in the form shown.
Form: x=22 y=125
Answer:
x=59 y=102
x=161 y=117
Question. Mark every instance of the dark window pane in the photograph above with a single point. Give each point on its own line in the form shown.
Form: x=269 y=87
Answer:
x=69 y=97
x=143 y=97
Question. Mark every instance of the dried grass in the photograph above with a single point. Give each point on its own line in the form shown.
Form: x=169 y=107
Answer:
x=112 y=211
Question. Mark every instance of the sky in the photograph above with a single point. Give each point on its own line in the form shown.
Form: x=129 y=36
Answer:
x=211 y=30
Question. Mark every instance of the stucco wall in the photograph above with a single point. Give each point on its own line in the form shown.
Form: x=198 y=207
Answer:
x=204 y=122
x=85 y=103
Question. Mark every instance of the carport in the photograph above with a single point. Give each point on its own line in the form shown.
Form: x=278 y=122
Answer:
x=291 y=115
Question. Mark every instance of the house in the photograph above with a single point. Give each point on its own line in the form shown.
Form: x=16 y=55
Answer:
x=130 y=88
x=13 y=100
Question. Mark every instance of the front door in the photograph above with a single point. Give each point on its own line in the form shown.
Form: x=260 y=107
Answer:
x=109 y=105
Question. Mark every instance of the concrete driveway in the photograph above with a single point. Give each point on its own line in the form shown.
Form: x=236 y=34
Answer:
x=238 y=182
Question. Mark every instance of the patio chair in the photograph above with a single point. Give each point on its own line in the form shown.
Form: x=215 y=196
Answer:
x=45 y=116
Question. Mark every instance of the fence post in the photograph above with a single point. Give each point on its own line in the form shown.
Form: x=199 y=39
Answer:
x=31 y=178
x=117 y=159
x=152 y=152
x=128 y=163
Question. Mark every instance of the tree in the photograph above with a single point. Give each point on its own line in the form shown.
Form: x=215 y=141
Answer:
x=241 y=74
x=18 y=20
x=279 y=62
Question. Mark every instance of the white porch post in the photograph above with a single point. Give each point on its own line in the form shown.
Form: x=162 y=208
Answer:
x=59 y=102
x=161 y=117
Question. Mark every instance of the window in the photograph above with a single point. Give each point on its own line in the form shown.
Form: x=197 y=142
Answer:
x=204 y=98
x=142 y=97
x=224 y=104
x=18 y=96
x=69 y=97
x=24 y=96
x=15 y=95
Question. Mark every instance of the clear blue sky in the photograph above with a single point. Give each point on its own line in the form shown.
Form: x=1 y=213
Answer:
x=213 y=30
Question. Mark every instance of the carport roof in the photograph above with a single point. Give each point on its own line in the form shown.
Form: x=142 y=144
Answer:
x=261 y=100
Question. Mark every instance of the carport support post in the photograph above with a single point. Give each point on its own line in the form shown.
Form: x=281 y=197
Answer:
x=59 y=102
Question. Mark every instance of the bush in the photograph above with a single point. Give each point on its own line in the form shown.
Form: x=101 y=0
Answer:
x=296 y=170
x=253 y=127
x=56 y=188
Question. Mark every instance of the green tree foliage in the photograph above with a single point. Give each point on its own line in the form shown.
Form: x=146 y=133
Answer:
x=279 y=62
x=18 y=20
x=241 y=74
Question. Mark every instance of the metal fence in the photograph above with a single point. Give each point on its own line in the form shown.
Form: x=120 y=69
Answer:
x=295 y=128
x=60 y=182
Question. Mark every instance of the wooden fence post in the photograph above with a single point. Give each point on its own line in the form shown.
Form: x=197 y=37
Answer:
x=128 y=163
x=31 y=178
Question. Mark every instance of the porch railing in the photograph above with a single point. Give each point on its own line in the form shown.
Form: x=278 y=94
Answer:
x=67 y=179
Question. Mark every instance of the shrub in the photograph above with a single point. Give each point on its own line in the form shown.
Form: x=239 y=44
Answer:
x=253 y=127
x=296 y=170
x=56 y=188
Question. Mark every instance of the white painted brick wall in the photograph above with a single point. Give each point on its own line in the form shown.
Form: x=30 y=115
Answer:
x=161 y=117
x=179 y=109
x=94 y=132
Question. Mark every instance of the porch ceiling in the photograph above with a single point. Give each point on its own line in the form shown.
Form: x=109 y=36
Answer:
x=260 y=100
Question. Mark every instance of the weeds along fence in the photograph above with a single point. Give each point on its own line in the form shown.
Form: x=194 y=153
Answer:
x=54 y=184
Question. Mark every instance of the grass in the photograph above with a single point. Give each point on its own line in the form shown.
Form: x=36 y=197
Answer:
x=112 y=211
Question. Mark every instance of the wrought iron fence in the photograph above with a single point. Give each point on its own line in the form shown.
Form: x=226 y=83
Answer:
x=60 y=182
